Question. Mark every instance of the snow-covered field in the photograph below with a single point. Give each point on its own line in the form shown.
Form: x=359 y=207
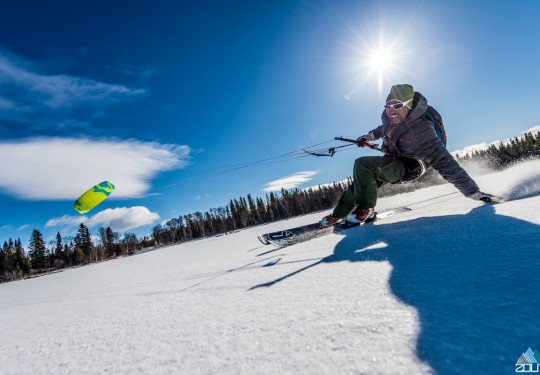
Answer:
x=451 y=287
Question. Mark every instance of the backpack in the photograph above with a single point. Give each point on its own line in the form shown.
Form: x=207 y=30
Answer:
x=436 y=119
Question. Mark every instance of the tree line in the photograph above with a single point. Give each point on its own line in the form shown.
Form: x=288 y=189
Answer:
x=497 y=157
x=17 y=263
x=247 y=212
x=240 y=213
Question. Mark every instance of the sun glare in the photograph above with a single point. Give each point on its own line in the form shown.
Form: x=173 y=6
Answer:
x=379 y=54
x=382 y=48
x=380 y=63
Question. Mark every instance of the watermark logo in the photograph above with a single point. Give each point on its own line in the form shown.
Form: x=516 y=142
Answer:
x=529 y=361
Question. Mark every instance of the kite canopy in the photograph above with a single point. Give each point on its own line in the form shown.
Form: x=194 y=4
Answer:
x=93 y=196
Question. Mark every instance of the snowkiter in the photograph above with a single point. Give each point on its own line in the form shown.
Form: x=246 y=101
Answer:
x=410 y=146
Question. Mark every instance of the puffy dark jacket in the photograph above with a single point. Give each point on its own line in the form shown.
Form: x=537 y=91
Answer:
x=415 y=138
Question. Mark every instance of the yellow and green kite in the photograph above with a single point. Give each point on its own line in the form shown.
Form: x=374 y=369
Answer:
x=92 y=197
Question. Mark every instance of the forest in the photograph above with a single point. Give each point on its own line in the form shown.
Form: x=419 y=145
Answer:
x=40 y=257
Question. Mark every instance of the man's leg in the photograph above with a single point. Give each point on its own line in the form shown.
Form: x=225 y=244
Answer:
x=346 y=203
x=372 y=172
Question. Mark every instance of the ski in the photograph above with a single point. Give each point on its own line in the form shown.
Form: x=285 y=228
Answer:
x=296 y=235
x=378 y=216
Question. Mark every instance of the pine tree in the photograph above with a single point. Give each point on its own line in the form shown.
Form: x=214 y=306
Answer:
x=60 y=257
x=68 y=255
x=261 y=211
x=21 y=262
x=3 y=261
x=253 y=214
x=234 y=214
x=84 y=243
x=37 y=251
x=243 y=213
x=112 y=240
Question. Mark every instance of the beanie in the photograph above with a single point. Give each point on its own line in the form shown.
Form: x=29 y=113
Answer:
x=401 y=92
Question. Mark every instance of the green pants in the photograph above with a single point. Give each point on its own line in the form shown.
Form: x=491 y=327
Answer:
x=370 y=173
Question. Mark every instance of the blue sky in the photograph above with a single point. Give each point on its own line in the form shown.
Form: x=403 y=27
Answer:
x=167 y=99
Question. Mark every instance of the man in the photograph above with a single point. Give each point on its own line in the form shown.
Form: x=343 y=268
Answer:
x=410 y=146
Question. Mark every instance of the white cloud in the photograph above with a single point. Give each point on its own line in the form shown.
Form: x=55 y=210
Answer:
x=64 y=168
x=534 y=130
x=123 y=218
x=473 y=148
x=65 y=221
x=290 y=182
x=119 y=219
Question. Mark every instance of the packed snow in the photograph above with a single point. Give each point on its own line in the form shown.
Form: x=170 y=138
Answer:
x=451 y=287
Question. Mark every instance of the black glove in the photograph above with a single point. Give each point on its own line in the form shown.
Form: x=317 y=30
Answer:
x=485 y=197
x=363 y=139
x=360 y=142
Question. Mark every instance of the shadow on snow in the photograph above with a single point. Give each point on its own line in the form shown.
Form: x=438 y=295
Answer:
x=474 y=280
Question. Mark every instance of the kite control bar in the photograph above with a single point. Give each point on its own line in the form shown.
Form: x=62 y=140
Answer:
x=332 y=150
x=360 y=144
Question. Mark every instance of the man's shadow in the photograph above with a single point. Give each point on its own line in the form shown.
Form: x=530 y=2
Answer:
x=474 y=280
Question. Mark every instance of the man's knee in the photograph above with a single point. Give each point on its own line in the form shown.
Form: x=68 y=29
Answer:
x=365 y=163
x=360 y=161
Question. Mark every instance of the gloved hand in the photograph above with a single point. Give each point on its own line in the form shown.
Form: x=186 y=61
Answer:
x=361 y=141
x=484 y=197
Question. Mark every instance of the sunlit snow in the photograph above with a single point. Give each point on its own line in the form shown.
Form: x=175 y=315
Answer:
x=451 y=287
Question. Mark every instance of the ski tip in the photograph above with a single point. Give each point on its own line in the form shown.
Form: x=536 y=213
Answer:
x=263 y=240
x=398 y=210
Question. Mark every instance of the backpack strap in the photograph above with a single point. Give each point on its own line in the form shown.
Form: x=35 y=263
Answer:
x=436 y=119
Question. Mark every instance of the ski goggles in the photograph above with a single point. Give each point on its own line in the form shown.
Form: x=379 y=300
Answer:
x=398 y=105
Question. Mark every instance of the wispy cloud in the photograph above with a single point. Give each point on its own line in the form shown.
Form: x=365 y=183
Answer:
x=200 y=197
x=290 y=182
x=143 y=73
x=63 y=168
x=29 y=96
x=119 y=219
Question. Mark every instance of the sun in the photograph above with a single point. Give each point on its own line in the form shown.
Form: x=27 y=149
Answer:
x=379 y=54
x=380 y=62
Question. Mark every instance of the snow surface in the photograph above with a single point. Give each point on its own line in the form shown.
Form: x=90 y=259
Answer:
x=451 y=287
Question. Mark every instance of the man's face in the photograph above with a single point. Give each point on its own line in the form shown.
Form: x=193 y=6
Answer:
x=397 y=116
